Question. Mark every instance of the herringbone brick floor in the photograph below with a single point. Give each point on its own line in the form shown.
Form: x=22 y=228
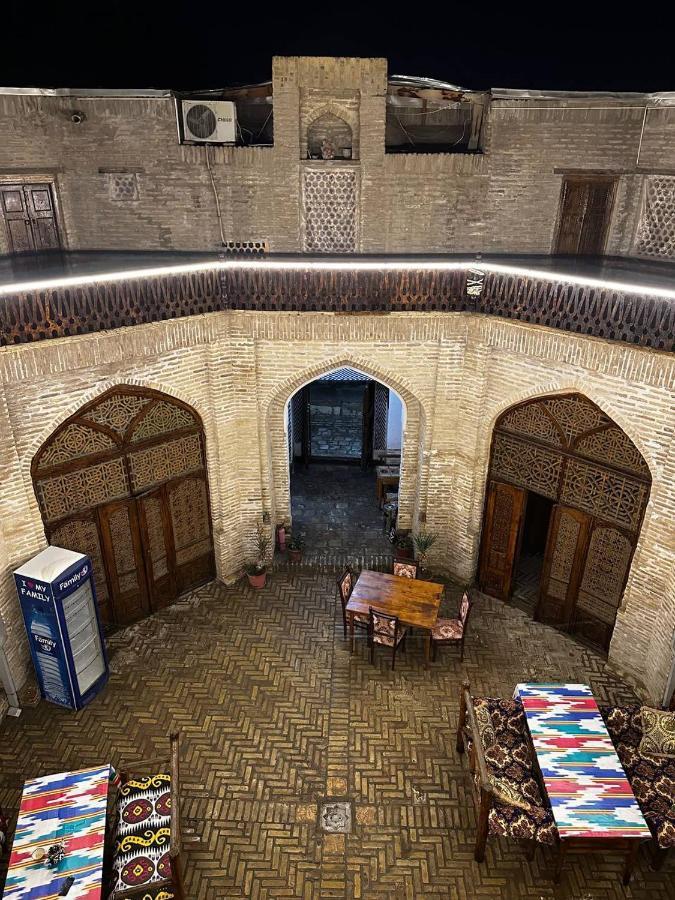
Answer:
x=274 y=715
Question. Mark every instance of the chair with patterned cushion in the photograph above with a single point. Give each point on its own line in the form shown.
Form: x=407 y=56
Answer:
x=652 y=778
x=386 y=631
x=508 y=799
x=146 y=858
x=453 y=631
x=405 y=568
x=345 y=585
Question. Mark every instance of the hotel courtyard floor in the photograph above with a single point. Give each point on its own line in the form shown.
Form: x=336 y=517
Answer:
x=275 y=715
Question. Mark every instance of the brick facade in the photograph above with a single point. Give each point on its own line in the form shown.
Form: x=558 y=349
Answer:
x=503 y=200
x=239 y=369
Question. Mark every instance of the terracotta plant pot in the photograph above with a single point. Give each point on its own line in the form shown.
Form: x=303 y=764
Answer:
x=294 y=556
x=257 y=581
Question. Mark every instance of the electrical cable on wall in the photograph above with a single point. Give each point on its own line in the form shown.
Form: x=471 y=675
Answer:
x=215 y=195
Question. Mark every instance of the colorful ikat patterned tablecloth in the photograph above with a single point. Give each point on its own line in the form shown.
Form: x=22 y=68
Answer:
x=586 y=784
x=69 y=808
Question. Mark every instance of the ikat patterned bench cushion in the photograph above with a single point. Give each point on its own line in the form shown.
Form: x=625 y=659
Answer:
x=141 y=855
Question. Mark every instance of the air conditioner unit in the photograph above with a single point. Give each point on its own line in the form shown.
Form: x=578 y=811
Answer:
x=208 y=121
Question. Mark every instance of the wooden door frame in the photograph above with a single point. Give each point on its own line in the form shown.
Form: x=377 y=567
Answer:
x=580 y=553
x=50 y=178
x=137 y=540
x=170 y=548
x=487 y=528
x=579 y=177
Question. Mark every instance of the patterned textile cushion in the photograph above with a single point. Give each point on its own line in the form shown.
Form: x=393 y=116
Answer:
x=405 y=570
x=345 y=585
x=464 y=607
x=362 y=618
x=624 y=724
x=447 y=630
x=383 y=631
x=160 y=893
x=658 y=732
x=141 y=854
x=508 y=791
x=534 y=824
x=486 y=729
x=652 y=778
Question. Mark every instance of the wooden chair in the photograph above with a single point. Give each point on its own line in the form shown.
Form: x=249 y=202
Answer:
x=345 y=584
x=518 y=815
x=386 y=631
x=152 y=800
x=405 y=568
x=453 y=631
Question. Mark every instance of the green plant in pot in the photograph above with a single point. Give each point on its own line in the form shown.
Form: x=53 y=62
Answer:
x=423 y=541
x=404 y=546
x=256 y=570
x=294 y=547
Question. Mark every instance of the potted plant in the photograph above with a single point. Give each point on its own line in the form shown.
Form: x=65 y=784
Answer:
x=404 y=546
x=424 y=541
x=294 y=547
x=256 y=570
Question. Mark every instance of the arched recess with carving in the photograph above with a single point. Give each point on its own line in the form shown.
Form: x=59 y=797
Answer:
x=124 y=480
x=565 y=450
x=337 y=120
x=414 y=458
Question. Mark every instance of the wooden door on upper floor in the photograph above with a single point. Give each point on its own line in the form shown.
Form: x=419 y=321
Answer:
x=585 y=211
x=29 y=212
x=503 y=523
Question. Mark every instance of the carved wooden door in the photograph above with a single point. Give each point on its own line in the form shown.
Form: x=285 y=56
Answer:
x=563 y=559
x=605 y=569
x=81 y=535
x=504 y=516
x=158 y=546
x=188 y=511
x=30 y=217
x=124 y=560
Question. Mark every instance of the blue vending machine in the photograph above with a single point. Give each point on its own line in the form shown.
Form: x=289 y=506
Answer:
x=56 y=591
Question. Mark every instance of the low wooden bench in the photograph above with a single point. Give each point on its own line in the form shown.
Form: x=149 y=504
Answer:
x=146 y=858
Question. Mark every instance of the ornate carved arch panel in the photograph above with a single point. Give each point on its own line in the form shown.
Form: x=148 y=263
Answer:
x=107 y=457
x=567 y=449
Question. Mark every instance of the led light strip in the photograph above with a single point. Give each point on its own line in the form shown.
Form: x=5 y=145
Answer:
x=387 y=264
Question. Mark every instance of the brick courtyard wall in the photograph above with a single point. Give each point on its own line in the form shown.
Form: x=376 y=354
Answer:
x=503 y=200
x=455 y=373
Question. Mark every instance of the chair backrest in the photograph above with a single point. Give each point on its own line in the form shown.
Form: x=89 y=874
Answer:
x=345 y=583
x=383 y=627
x=405 y=568
x=465 y=605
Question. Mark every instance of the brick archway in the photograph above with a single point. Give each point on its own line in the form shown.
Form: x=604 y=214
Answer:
x=414 y=458
x=123 y=479
x=562 y=454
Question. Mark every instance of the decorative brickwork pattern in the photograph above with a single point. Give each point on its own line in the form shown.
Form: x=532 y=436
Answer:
x=656 y=231
x=330 y=205
x=122 y=186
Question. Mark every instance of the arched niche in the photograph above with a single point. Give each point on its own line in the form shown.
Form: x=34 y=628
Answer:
x=330 y=129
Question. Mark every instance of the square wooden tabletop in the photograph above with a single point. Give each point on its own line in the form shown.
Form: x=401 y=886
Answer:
x=413 y=601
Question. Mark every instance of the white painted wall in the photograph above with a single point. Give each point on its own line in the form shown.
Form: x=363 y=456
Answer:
x=394 y=422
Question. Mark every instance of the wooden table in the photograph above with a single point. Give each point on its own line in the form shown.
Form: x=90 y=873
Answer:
x=591 y=799
x=69 y=808
x=413 y=602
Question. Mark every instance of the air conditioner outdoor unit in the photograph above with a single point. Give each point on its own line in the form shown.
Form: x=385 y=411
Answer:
x=209 y=121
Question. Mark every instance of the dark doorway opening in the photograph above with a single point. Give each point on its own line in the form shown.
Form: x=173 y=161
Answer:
x=530 y=557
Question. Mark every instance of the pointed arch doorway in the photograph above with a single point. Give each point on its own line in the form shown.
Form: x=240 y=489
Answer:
x=124 y=481
x=568 y=488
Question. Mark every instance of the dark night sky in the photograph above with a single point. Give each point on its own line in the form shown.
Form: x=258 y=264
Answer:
x=118 y=44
